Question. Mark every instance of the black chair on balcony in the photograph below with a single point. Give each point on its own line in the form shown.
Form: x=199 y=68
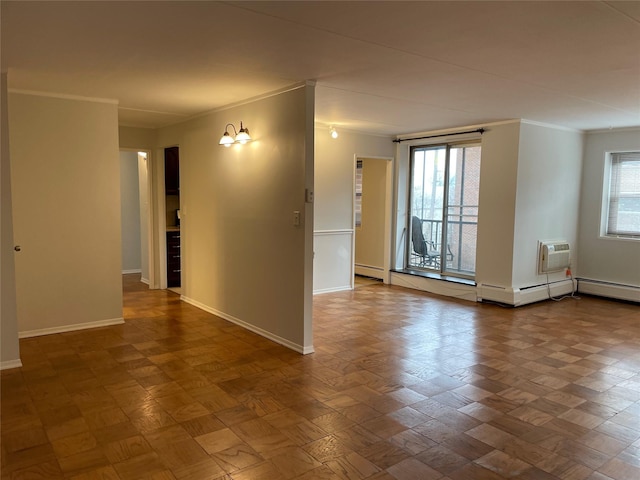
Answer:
x=425 y=252
x=424 y=255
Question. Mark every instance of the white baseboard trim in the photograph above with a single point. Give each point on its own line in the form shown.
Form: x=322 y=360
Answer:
x=332 y=290
x=523 y=296
x=539 y=293
x=144 y=280
x=369 y=271
x=608 y=289
x=70 y=328
x=135 y=270
x=263 y=333
x=438 y=287
x=8 y=364
x=495 y=293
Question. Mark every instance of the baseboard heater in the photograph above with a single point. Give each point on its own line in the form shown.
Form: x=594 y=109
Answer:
x=609 y=289
x=525 y=295
x=369 y=271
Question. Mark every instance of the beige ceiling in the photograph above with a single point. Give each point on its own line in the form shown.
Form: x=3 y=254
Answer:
x=381 y=67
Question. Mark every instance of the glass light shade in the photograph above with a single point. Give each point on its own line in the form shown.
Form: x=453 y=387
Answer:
x=226 y=140
x=243 y=136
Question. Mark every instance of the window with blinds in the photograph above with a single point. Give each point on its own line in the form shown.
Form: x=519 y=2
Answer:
x=623 y=218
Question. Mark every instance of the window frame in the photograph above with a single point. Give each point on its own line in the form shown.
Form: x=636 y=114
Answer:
x=606 y=199
x=447 y=147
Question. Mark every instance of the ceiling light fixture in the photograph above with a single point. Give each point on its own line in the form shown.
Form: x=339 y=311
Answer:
x=240 y=137
x=333 y=131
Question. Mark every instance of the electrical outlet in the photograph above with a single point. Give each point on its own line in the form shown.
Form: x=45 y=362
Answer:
x=296 y=218
x=308 y=196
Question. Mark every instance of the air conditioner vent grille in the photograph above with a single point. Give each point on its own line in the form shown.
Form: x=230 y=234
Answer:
x=554 y=256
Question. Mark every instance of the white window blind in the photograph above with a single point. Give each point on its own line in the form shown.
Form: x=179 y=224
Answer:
x=624 y=195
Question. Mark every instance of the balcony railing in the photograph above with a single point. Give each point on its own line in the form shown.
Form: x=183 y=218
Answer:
x=460 y=245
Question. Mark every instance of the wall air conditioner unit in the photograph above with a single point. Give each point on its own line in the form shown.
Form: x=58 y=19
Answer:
x=554 y=256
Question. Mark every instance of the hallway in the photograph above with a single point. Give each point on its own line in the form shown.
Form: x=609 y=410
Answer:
x=403 y=385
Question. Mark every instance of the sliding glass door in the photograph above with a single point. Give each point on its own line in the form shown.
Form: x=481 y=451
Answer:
x=443 y=206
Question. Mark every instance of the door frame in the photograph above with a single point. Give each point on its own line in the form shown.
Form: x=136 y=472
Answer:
x=388 y=216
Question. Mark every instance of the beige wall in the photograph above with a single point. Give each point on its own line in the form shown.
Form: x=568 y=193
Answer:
x=145 y=212
x=370 y=235
x=130 y=212
x=242 y=256
x=137 y=138
x=9 y=347
x=66 y=205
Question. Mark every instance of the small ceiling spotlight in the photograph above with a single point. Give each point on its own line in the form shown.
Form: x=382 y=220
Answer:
x=241 y=137
x=333 y=131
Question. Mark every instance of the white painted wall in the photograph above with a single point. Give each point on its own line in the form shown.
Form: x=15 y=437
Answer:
x=334 y=192
x=9 y=345
x=605 y=259
x=529 y=191
x=130 y=212
x=243 y=258
x=547 y=197
x=497 y=204
x=66 y=207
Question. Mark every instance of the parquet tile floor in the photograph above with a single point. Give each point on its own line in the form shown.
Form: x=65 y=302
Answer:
x=403 y=385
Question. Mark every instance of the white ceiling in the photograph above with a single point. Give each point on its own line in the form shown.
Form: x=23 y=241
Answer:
x=381 y=67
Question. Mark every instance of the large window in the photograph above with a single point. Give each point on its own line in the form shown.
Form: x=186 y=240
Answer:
x=623 y=201
x=443 y=208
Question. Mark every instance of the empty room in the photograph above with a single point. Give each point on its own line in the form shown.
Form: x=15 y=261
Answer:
x=320 y=240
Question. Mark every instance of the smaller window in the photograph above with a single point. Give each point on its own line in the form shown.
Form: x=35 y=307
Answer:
x=623 y=217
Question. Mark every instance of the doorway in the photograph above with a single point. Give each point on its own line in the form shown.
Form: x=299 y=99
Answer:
x=443 y=208
x=172 y=219
x=135 y=214
x=372 y=219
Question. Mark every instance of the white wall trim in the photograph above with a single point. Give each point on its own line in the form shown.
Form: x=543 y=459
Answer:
x=369 y=271
x=263 y=333
x=539 y=293
x=613 y=130
x=144 y=280
x=135 y=270
x=332 y=290
x=70 y=328
x=438 y=287
x=406 y=136
x=522 y=296
x=64 y=96
x=332 y=272
x=495 y=293
x=608 y=289
x=341 y=128
x=342 y=231
x=551 y=125
x=8 y=364
x=246 y=101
